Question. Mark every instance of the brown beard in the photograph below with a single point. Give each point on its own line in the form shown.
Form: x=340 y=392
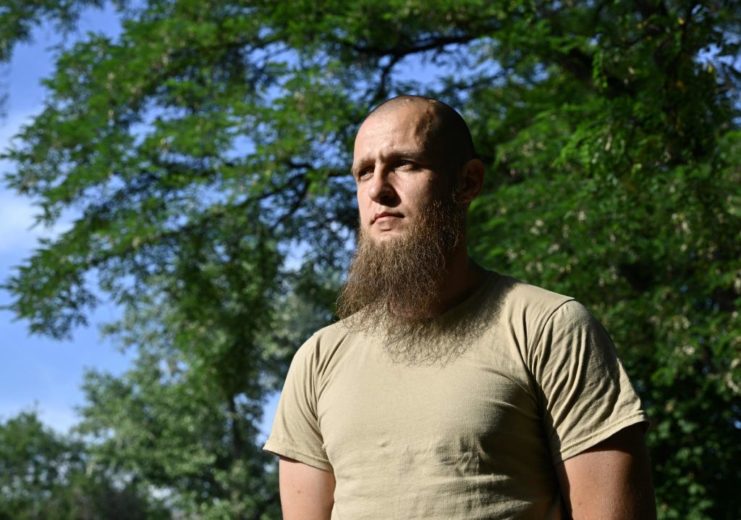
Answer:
x=394 y=287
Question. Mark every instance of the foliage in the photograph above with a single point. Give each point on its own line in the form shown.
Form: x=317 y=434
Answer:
x=46 y=475
x=203 y=154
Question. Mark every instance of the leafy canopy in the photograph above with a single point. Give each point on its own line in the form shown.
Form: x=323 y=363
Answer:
x=203 y=154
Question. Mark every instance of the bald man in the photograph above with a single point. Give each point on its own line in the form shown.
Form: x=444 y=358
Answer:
x=447 y=391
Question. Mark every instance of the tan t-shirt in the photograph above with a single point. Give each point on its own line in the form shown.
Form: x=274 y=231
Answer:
x=476 y=437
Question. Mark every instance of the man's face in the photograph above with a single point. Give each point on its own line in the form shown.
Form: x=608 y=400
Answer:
x=397 y=170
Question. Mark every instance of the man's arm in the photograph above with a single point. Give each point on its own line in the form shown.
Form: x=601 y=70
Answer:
x=306 y=493
x=611 y=480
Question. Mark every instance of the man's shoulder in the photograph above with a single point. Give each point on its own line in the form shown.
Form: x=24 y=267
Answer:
x=536 y=309
x=518 y=297
x=325 y=342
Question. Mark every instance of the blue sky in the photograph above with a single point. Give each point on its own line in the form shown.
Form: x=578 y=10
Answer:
x=38 y=373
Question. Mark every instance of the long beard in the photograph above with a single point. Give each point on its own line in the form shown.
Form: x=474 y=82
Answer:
x=395 y=287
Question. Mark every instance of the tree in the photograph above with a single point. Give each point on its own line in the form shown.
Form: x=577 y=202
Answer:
x=45 y=475
x=209 y=143
x=184 y=419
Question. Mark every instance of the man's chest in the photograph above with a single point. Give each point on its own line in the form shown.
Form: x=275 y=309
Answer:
x=469 y=412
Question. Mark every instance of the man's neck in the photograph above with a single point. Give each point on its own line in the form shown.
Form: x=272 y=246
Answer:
x=464 y=277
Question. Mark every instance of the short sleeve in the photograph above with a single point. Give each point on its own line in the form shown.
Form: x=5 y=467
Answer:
x=295 y=433
x=585 y=394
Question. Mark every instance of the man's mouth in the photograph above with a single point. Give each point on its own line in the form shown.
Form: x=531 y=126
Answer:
x=385 y=215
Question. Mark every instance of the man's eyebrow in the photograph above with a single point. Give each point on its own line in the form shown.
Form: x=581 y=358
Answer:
x=397 y=155
x=357 y=167
x=417 y=157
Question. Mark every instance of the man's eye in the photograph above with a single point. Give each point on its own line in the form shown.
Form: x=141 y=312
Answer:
x=364 y=174
x=405 y=165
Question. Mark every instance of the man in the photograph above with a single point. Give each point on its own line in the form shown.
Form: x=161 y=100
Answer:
x=450 y=392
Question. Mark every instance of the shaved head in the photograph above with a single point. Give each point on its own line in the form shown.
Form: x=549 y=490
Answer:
x=445 y=128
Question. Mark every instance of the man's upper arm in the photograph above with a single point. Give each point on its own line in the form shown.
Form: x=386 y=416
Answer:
x=306 y=493
x=611 y=480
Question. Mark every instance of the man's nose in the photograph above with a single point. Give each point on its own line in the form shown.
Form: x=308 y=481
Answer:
x=381 y=190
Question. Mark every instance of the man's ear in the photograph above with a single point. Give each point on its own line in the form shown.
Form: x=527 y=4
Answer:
x=470 y=181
